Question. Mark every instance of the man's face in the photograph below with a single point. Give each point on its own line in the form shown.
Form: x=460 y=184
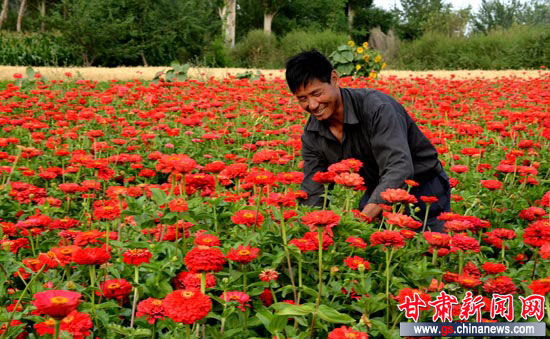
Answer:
x=318 y=98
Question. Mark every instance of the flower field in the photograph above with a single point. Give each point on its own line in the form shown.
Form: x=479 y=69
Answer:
x=146 y=210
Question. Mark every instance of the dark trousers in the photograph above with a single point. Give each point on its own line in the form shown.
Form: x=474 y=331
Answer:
x=435 y=186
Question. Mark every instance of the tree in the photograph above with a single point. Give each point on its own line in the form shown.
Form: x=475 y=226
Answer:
x=228 y=14
x=271 y=7
x=494 y=13
x=4 y=12
x=536 y=13
x=451 y=23
x=20 y=14
x=352 y=6
x=415 y=14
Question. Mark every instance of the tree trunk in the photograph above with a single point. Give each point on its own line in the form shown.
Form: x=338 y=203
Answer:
x=42 y=14
x=351 y=15
x=20 y=15
x=268 y=19
x=228 y=14
x=143 y=59
x=4 y=13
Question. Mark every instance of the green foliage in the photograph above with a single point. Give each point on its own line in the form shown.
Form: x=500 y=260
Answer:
x=178 y=73
x=257 y=49
x=297 y=41
x=357 y=60
x=368 y=18
x=496 y=14
x=414 y=15
x=36 y=49
x=520 y=47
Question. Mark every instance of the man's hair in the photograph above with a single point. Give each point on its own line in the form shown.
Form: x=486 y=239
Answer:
x=305 y=67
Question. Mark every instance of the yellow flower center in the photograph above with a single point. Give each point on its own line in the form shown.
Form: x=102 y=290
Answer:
x=59 y=300
x=50 y=322
x=187 y=294
x=157 y=302
x=113 y=286
x=244 y=252
x=248 y=215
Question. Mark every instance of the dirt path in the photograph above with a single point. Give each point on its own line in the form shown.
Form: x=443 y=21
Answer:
x=148 y=73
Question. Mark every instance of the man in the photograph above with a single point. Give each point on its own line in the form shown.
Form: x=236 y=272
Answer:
x=367 y=125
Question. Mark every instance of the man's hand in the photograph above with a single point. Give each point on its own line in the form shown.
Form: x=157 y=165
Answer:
x=371 y=210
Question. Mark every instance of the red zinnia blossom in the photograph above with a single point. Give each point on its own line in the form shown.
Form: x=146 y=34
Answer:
x=538 y=233
x=243 y=254
x=150 y=308
x=175 y=163
x=323 y=218
x=268 y=275
x=186 y=306
x=116 y=289
x=532 y=213
x=491 y=185
x=258 y=176
x=77 y=324
x=240 y=297
x=247 y=217
x=428 y=199
x=192 y=281
x=541 y=286
x=387 y=238
x=464 y=243
x=304 y=244
x=500 y=285
x=471 y=269
x=355 y=261
x=207 y=240
x=409 y=292
x=468 y=281
x=411 y=183
x=408 y=234
x=137 y=256
x=266 y=297
x=56 y=303
x=325 y=239
x=178 y=205
x=398 y=195
x=349 y=180
x=545 y=200
x=204 y=259
x=106 y=209
x=437 y=239
x=493 y=267
x=356 y=242
x=344 y=332
x=324 y=177
x=401 y=220
x=459 y=168
x=91 y=256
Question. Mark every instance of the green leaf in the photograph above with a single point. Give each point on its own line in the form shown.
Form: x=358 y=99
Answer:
x=294 y=310
x=346 y=69
x=331 y=315
x=158 y=196
x=348 y=56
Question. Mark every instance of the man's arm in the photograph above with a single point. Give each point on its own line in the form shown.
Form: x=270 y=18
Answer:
x=390 y=147
x=314 y=162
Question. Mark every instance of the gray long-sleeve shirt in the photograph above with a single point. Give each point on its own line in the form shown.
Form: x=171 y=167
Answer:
x=379 y=132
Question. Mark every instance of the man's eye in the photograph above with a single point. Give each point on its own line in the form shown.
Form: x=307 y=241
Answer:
x=302 y=99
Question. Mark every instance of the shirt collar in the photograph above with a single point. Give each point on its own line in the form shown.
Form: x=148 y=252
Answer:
x=350 y=118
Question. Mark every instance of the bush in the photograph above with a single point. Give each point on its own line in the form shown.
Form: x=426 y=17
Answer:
x=520 y=47
x=36 y=49
x=257 y=50
x=297 y=41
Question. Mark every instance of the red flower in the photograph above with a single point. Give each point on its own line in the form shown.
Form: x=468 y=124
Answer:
x=436 y=239
x=116 y=289
x=464 y=243
x=541 y=286
x=387 y=238
x=186 y=306
x=266 y=297
x=77 y=324
x=247 y=217
x=355 y=261
x=150 y=308
x=398 y=195
x=493 y=267
x=240 y=297
x=91 y=256
x=537 y=234
x=323 y=218
x=468 y=281
x=344 y=332
x=401 y=220
x=178 y=205
x=500 y=285
x=491 y=185
x=137 y=256
x=428 y=200
x=268 y=275
x=324 y=177
x=207 y=240
x=356 y=242
x=304 y=244
x=325 y=239
x=349 y=180
x=459 y=169
x=409 y=292
x=204 y=259
x=175 y=163
x=243 y=254
x=56 y=303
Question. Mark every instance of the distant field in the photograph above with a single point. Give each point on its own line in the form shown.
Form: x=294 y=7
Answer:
x=147 y=73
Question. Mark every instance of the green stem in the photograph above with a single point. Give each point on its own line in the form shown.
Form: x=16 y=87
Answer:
x=287 y=253
x=460 y=261
x=243 y=269
x=325 y=196
x=388 y=259
x=134 y=303
x=92 y=285
x=318 y=302
x=203 y=282
x=426 y=217
x=299 y=280
x=434 y=256
x=56 y=330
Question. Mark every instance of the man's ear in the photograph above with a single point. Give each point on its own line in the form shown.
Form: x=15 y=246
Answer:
x=334 y=78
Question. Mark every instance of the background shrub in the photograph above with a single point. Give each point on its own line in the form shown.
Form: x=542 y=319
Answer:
x=257 y=50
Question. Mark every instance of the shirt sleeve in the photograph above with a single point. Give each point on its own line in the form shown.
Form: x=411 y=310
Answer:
x=390 y=147
x=314 y=162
